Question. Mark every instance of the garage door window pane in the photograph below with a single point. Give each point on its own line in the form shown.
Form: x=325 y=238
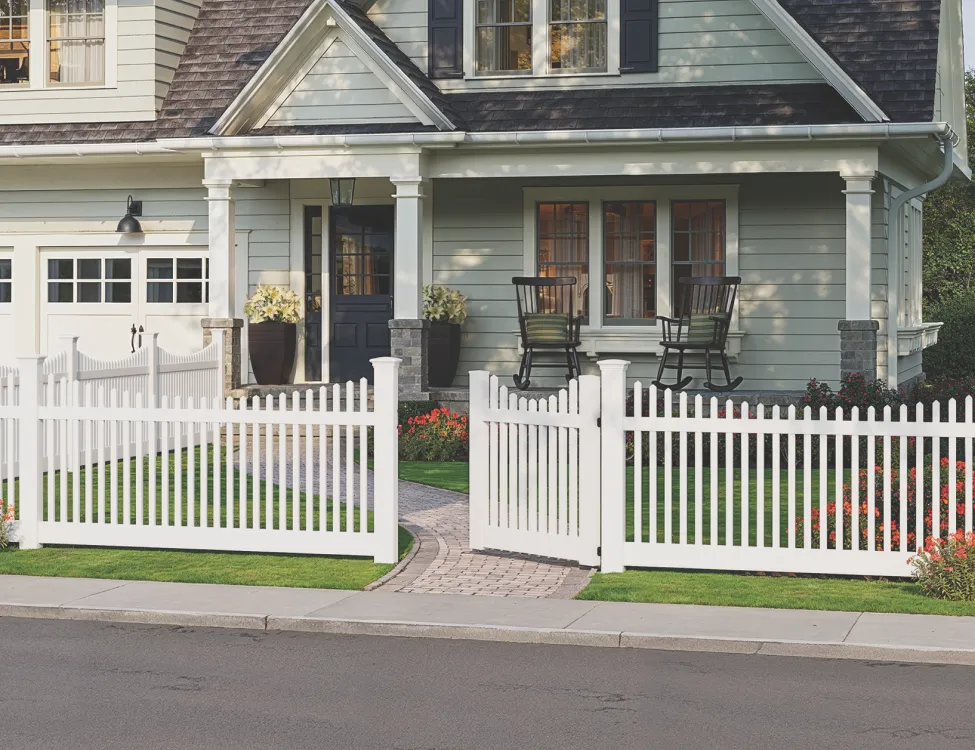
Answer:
x=89 y=268
x=89 y=291
x=189 y=292
x=160 y=293
x=189 y=268
x=118 y=292
x=6 y=268
x=60 y=292
x=118 y=268
x=159 y=268
x=60 y=269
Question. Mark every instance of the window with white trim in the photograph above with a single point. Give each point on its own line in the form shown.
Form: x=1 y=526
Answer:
x=14 y=42
x=911 y=282
x=89 y=280
x=56 y=44
x=6 y=280
x=177 y=280
x=628 y=247
x=541 y=37
x=76 y=41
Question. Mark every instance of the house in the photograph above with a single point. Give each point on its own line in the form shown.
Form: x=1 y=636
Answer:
x=628 y=143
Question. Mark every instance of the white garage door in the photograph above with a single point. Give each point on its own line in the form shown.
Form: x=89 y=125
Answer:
x=100 y=294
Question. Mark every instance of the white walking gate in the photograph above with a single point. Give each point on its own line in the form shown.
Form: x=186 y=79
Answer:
x=697 y=483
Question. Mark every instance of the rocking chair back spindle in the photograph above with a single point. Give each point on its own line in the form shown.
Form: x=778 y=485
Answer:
x=549 y=319
x=701 y=325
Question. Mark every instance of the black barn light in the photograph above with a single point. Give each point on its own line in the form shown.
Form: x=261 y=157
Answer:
x=129 y=224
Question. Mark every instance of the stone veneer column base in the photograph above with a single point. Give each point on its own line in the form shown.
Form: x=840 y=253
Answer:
x=232 y=352
x=409 y=342
x=858 y=348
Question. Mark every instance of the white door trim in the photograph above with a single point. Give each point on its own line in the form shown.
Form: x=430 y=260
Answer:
x=297 y=279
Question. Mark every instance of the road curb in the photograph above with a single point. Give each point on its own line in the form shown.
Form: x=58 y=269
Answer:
x=497 y=633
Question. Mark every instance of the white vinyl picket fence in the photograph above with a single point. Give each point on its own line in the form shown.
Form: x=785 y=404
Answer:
x=100 y=467
x=700 y=483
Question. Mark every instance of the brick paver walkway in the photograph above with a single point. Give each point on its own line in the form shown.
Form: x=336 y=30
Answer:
x=445 y=563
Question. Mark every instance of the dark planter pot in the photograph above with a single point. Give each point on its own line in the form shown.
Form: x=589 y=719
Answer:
x=443 y=354
x=272 y=350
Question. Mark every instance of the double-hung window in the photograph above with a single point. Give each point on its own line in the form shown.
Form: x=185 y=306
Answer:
x=577 y=35
x=628 y=248
x=14 y=42
x=57 y=43
x=503 y=36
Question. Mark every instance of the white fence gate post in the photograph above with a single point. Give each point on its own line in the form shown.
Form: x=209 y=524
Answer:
x=590 y=474
x=30 y=448
x=479 y=474
x=613 y=533
x=386 y=458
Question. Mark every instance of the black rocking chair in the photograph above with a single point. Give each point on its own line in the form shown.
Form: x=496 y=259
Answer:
x=701 y=325
x=548 y=323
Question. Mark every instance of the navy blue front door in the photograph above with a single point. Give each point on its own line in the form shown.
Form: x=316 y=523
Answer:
x=361 y=266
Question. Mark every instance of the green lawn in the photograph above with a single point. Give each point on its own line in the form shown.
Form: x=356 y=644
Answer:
x=448 y=475
x=777 y=592
x=82 y=497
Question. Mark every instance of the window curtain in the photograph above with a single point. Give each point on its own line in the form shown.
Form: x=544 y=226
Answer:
x=77 y=41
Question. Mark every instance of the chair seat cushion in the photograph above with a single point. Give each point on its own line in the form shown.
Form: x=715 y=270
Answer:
x=705 y=328
x=547 y=328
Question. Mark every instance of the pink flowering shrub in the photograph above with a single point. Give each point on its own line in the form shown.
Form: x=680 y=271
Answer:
x=945 y=567
x=7 y=517
x=440 y=435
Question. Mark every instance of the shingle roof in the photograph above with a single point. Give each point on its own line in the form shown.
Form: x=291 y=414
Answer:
x=691 y=107
x=889 y=47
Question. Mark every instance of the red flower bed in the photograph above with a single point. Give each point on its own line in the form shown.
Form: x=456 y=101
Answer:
x=441 y=435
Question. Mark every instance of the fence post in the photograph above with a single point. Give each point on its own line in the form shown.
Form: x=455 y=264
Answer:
x=478 y=456
x=386 y=458
x=613 y=438
x=30 y=450
x=155 y=385
x=590 y=473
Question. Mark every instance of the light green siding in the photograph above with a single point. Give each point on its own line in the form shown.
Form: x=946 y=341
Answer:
x=791 y=259
x=340 y=88
x=174 y=22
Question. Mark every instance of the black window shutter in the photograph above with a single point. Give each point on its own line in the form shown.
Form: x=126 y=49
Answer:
x=638 y=36
x=446 y=50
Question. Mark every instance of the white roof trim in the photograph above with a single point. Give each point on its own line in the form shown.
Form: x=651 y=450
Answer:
x=248 y=108
x=828 y=68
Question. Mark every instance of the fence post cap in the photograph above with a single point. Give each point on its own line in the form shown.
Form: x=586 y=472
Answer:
x=385 y=360
x=613 y=364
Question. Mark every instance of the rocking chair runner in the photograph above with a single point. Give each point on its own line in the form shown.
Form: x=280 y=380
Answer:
x=702 y=323
x=547 y=323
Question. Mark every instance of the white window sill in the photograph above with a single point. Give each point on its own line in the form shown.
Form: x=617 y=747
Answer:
x=52 y=87
x=531 y=77
x=634 y=340
x=917 y=338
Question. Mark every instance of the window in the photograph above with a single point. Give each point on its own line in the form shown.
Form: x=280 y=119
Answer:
x=627 y=247
x=14 y=42
x=630 y=258
x=179 y=280
x=698 y=241
x=76 y=39
x=6 y=283
x=503 y=36
x=577 y=35
x=910 y=313
x=563 y=246
x=89 y=280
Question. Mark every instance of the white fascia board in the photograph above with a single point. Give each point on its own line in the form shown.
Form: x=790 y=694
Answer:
x=278 y=67
x=828 y=68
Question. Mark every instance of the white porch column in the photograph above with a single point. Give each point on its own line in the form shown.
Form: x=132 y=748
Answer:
x=220 y=203
x=859 y=192
x=408 y=250
x=858 y=331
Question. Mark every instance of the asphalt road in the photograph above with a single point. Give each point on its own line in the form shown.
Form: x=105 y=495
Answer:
x=94 y=685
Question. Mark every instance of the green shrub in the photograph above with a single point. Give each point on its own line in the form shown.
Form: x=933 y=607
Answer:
x=408 y=409
x=954 y=354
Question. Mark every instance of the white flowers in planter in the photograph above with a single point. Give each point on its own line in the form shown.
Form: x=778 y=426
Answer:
x=444 y=305
x=273 y=304
x=7 y=517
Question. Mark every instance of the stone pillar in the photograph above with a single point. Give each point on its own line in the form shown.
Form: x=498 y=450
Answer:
x=408 y=342
x=223 y=247
x=858 y=348
x=232 y=350
x=858 y=332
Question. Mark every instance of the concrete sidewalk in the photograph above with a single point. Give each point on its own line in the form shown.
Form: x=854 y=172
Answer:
x=848 y=635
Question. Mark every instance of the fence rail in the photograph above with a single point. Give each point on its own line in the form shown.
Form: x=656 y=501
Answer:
x=705 y=484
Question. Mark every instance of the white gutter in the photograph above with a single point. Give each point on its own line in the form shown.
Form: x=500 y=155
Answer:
x=868 y=131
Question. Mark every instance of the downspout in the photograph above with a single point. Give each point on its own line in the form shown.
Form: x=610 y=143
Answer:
x=895 y=236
